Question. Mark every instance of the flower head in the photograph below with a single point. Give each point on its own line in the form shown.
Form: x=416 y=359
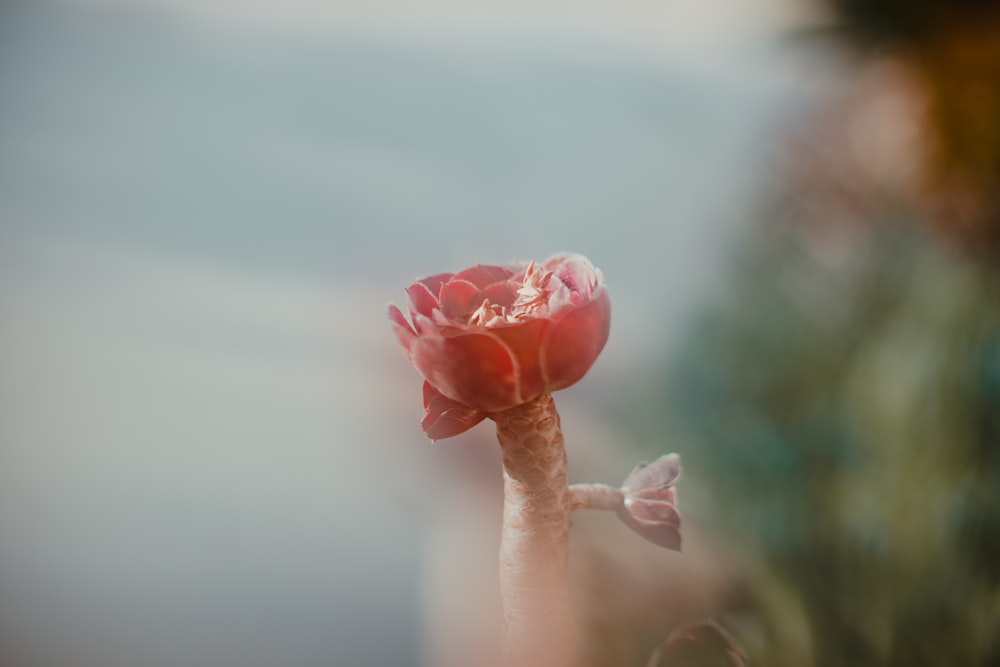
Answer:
x=490 y=338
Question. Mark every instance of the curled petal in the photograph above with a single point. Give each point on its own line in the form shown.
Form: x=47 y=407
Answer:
x=474 y=369
x=459 y=298
x=575 y=271
x=450 y=422
x=427 y=325
x=446 y=418
x=556 y=261
x=524 y=341
x=502 y=294
x=573 y=341
x=430 y=394
x=405 y=334
x=422 y=300
x=482 y=276
x=434 y=283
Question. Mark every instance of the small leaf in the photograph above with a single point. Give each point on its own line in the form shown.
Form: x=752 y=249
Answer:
x=652 y=511
x=663 y=533
x=650 y=502
x=662 y=473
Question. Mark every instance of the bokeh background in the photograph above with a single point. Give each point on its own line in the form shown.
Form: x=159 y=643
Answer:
x=209 y=446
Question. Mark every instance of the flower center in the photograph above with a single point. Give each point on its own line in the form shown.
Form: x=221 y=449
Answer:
x=532 y=301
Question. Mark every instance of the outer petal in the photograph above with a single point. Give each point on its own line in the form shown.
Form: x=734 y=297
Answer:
x=475 y=369
x=482 y=275
x=501 y=294
x=575 y=271
x=450 y=422
x=405 y=334
x=433 y=283
x=573 y=341
x=459 y=298
x=422 y=300
x=446 y=417
x=525 y=341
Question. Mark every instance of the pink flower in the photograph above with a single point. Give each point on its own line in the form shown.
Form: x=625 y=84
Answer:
x=490 y=338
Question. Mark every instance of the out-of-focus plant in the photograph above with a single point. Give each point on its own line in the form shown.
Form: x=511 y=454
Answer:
x=952 y=51
x=840 y=402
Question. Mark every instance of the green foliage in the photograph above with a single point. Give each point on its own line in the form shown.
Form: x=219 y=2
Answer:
x=845 y=419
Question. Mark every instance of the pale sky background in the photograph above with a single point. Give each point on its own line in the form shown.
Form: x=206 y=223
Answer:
x=704 y=29
x=209 y=448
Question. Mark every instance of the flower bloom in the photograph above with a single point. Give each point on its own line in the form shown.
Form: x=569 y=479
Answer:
x=490 y=338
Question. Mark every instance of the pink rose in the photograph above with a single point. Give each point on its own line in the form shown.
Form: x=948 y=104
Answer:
x=490 y=338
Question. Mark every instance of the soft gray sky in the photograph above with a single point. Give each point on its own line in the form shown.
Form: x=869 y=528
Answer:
x=701 y=29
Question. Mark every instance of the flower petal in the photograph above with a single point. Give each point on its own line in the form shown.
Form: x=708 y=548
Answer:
x=474 y=369
x=575 y=271
x=573 y=341
x=430 y=394
x=405 y=334
x=451 y=422
x=482 y=276
x=459 y=298
x=433 y=283
x=525 y=341
x=435 y=401
x=446 y=417
x=422 y=300
x=501 y=294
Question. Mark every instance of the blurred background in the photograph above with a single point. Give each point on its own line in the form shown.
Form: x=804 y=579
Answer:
x=209 y=445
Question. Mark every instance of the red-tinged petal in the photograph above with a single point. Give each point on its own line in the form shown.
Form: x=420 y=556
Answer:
x=475 y=369
x=573 y=341
x=501 y=294
x=446 y=417
x=575 y=271
x=459 y=298
x=429 y=393
x=433 y=283
x=525 y=341
x=482 y=276
x=435 y=401
x=422 y=300
x=454 y=421
x=405 y=334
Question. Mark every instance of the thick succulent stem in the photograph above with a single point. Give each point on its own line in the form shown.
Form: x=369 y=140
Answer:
x=534 y=544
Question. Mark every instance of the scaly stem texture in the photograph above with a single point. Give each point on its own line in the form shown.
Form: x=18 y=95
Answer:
x=534 y=543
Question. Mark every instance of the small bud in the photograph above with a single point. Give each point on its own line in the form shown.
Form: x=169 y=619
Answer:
x=650 y=502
